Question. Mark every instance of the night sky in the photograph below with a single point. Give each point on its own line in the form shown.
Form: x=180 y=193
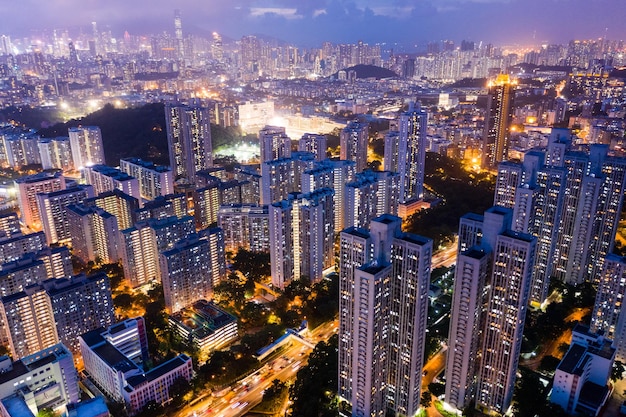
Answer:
x=309 y=22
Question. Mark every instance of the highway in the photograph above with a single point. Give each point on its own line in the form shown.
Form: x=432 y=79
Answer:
x=249 y=391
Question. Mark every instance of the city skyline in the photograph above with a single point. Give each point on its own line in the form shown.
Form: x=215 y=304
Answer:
x=310 y=22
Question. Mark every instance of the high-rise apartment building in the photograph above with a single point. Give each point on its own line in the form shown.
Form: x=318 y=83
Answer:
x=485 y=332
x=498 y=116
x=94 y=234
x=408 y=155
x=190 y=270
x=9 y=225
x=86 y=145
x=15 y=247
x=384 y=280
x=283 y=176
x=301 y=230
x=609 y=316
x=331 y=174
x=27 y=189
x=274 y=143
x=353 y=142
x=371 y=194
x=154 y=180
x=17 y=275
x=245 y=226
x=313 y=143
x=188 y=139
x=28 y=321
x=52 y=210
x=123 y=206
x=80 y=304
x=104 y=179
x=56 y=153
x=142 y=243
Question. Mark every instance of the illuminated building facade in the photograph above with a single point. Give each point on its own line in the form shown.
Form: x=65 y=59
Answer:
x=498 y=118
x=188 y=139
x=245 y=226
x=190 y=270
x=313 y=143
x=154 y=180
x=86 y=145
x=104 y=178
x=56 y=153
x=275 y=144
x=301 y=236
x=384 y=279
x=52 y=210
x=27 y=189
x=371 y=194
x=353 y=141
x=94 y=234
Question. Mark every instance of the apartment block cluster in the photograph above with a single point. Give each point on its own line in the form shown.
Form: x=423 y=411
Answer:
x=304 y=198
x=555 y=217
x=138 y=214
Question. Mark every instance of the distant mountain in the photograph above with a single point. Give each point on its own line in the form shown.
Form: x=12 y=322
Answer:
x=370 y=71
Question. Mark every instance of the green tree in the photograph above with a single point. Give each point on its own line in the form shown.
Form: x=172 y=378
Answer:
x=47 y=412
x=617 y=371
x=179 y=388
x=529 y=394
x=316 y=384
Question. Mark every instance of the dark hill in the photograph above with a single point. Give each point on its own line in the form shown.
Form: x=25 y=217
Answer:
x=138 y=131
x=370 y=71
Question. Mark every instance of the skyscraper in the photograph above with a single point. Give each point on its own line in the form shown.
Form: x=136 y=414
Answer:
x=384 y=278
x=498 y=117
x=188 y=272
x=301 y=236
x=28 y=187
x=411 y=153
x=94 y=234
x=86 y=145
x=316 y=144
x=491 y=290
x=353 y=141
x=28 y=321
x=331 y=174
x=178 y=31
x=53 y=214
x=154 y=180
x=188 y=139
x=274 y=143
x=371 y=194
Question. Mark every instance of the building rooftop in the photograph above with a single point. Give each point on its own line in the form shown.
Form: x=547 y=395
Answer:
x=159 y=371
x=570 y=361
x=202 y=318
x=475 y=252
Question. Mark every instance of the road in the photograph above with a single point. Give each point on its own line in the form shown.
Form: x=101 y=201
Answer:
x=552 y=348
x=446 y=257
x=249 y=391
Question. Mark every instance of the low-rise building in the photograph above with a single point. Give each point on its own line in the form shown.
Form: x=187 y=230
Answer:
x=107 y=357
x=581 y=379
x=205 y=325
x=45 y=379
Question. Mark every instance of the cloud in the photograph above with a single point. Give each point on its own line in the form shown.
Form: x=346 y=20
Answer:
x=278 y=11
